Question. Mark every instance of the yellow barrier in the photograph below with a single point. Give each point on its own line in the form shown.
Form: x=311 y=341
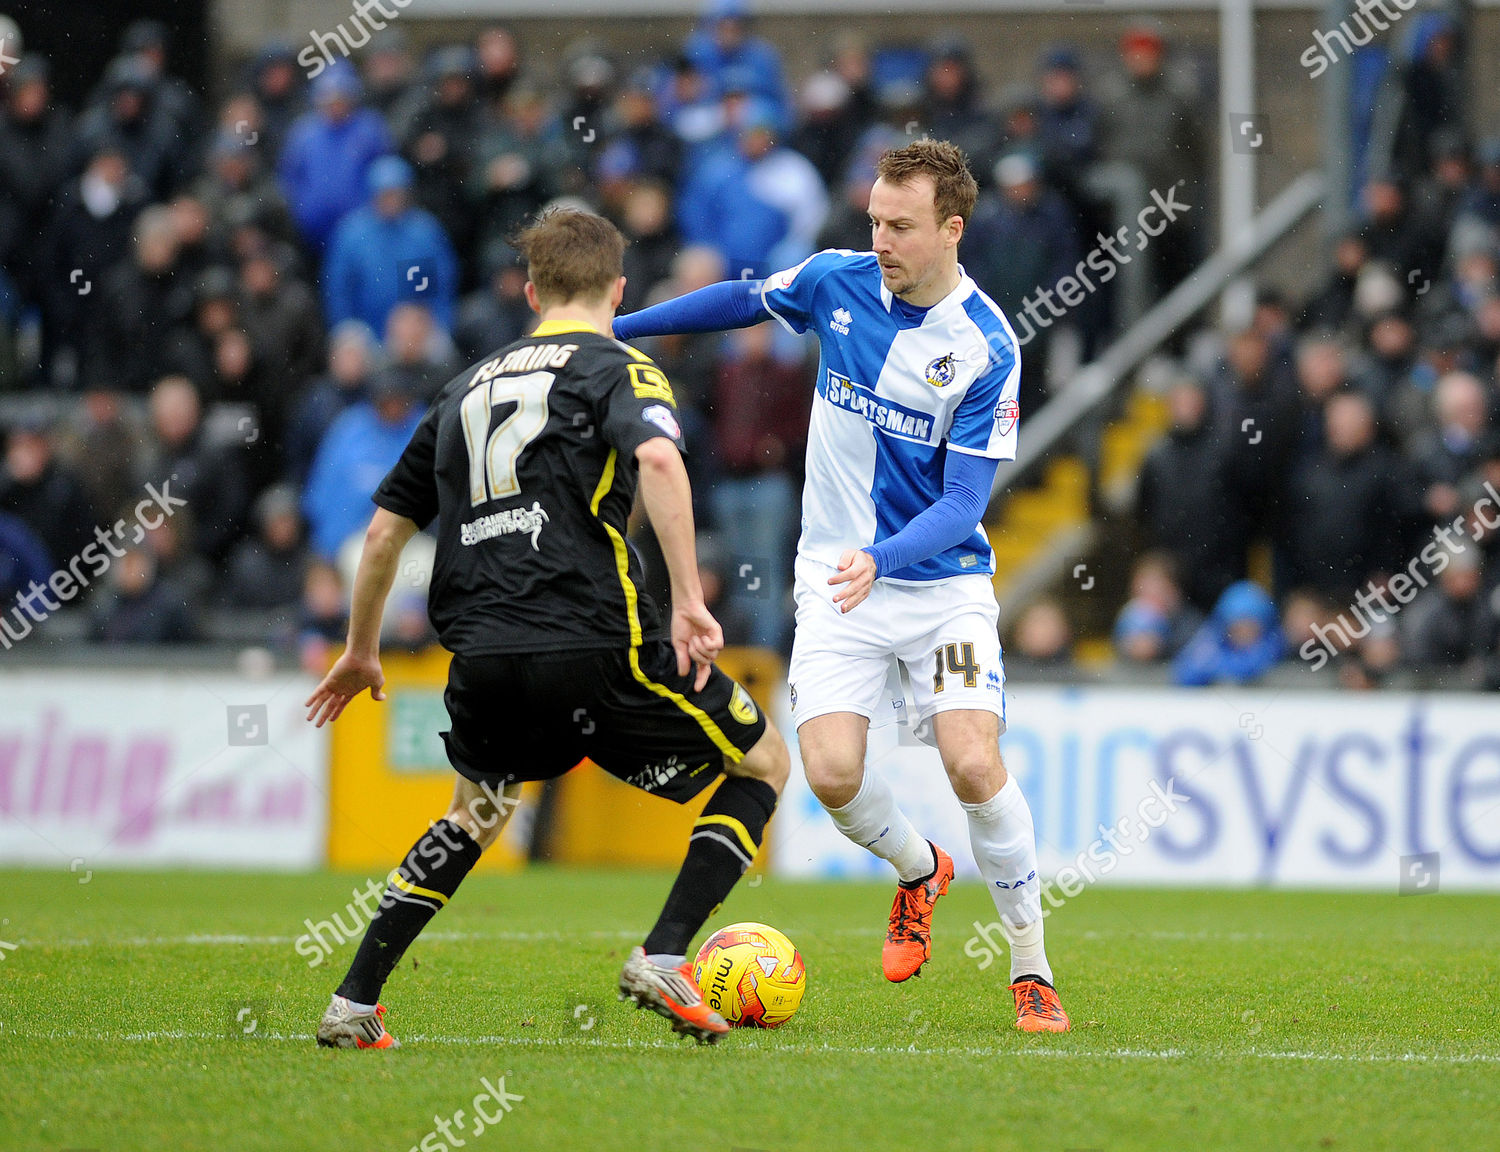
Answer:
x=389 y=777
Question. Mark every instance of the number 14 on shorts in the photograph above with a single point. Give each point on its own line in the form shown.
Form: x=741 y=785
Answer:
x=955 y=659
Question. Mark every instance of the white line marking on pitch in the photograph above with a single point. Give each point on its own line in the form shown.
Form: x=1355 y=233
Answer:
x=838 y=1050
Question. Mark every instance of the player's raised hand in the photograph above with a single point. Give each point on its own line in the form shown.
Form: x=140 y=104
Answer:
x=698 y=639
x=857 y=570
x=349 y=676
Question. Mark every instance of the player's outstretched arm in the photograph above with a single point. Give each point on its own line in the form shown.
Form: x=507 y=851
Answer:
x=728 y=304
x=359 y=667
x=665 y=491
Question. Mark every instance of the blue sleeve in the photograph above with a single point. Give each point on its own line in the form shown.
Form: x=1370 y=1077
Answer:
x=967 y=481
x=727 y=304
x=987 y=420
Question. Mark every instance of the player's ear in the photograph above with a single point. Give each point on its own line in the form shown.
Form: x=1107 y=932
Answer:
x=617 y=295
x=531 y=298
x=955 y=226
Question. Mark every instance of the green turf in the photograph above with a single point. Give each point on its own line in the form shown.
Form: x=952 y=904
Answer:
x=1203 y=1020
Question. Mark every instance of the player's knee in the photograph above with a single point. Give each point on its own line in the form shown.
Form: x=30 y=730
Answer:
x=975 y=775
x=833 y=776
x=769 y=760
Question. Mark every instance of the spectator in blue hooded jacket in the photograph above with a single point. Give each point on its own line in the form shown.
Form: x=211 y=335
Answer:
x=1239 y=644
x=389 y=252
x=722 y=43
x=760 y=205
x=360 y=447
x=328 y=153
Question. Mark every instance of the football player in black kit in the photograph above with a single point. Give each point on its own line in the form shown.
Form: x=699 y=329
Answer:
x=529 y=463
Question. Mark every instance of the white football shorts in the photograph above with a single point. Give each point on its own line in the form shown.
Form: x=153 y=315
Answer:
x=939 y=638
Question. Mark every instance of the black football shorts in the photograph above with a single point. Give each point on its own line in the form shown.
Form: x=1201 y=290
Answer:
x=533 y=716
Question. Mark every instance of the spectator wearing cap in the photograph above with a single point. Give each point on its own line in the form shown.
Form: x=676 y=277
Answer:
x=41 y=490
x=1434 y=83
x=388 y=252
x=951 y=91
x=235 y=188
x=88 y=232
x=360 y=447
x=283 y=318
x=1238 y=644
x=353 y=357
x=146 y=41
x=389 y=74
x=1067 y=121
x=279 y=89
x=125 y=112
x=723 y=40
x=1156 y=127
x=1021 y=242
x=269 y=569
x=325 y=164
x=761 y=206
x=590 y=82
x=518 y=166
x=494 y=315
x=639 y=145
x=142 y=303
x=34 y=143
x=438 y=139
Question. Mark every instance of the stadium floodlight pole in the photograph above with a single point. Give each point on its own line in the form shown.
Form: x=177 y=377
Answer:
x=1338 y=145
x=1240 y=136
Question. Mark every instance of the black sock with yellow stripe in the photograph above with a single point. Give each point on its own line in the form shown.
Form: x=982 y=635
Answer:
x=724 y=842
x=425 y=881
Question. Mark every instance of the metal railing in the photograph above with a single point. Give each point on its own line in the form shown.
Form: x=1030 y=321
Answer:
x=1099 y=380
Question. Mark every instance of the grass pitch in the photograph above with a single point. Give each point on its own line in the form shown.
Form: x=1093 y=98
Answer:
x=171 y=1010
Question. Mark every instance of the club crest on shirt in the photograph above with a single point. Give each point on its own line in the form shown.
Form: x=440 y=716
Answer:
x=1007 y=412
x=741 y=707
x=942 y=371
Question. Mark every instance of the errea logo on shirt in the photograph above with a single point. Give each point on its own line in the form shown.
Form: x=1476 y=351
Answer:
x=840 y=321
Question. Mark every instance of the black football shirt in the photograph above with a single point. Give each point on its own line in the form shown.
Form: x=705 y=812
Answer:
x=527 y=462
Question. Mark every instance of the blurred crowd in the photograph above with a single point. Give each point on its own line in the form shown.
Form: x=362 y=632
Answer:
x=1342 y=448
x=257 y=297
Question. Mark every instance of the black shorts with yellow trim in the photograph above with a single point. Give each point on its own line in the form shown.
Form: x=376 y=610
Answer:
x=533 y=716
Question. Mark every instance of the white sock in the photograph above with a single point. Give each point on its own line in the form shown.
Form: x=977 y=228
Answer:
x=873 y=821
x=362 y=1009
x=664 y=960
x=1004 y=842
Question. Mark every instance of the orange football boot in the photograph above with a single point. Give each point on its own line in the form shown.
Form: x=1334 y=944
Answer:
x=908 y=939
x=1038 y=1008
